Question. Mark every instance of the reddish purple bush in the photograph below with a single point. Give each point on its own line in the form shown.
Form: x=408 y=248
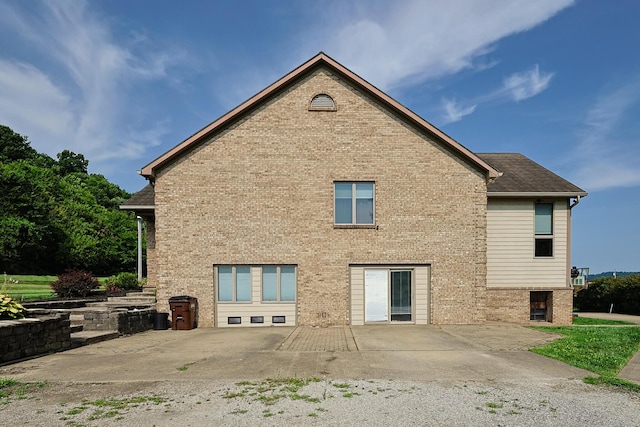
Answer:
x=75 y=283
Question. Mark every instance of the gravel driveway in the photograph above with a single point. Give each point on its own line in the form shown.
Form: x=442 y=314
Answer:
x=325 y=402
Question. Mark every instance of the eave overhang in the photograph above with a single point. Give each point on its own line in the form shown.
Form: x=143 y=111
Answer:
x=530 y=195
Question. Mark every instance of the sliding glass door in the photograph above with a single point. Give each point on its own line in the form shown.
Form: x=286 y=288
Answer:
x=388 y=295
x=401 y=295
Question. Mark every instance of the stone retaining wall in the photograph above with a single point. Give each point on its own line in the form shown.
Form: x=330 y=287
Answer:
x=48 y=332
x=125 y=321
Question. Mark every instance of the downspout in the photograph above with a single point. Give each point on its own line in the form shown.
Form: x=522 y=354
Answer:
x=575 y=203
x=569 y=241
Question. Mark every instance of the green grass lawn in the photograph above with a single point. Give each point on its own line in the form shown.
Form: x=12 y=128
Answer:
x=604 y=350
x=590 y=321
x=27 y=288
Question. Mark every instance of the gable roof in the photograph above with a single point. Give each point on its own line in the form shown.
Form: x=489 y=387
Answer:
x=320 y=60
x=522 y=176
x=141 y=201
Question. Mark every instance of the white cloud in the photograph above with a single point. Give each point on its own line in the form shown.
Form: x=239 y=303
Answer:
x=605 y=157
x=527 y=84
x=82 y=103
x=31 y=101
x=411 y=41
x=455 y=111
x=516 y=87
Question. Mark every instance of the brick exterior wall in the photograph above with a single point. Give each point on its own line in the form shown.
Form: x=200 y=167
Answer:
x=261 y=192
x=513 y=305
x=152 y=276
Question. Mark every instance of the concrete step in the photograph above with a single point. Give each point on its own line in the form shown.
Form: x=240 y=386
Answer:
x=75 y=328
x=145 y=294
x=131 y=304
x=133 y=298
x=80 y=339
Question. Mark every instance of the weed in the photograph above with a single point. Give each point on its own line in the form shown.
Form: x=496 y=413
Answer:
x=242 y=383
x=234 y=395
x=482 y=393
x=11 y=388
x=494 y=405
x=304 y=397
x=77 y=410
x=313 y=414
x=350 y=394
x=7 y=382
x=341 y=385
x=184 y=367
x=239 y=411
x=270 y=400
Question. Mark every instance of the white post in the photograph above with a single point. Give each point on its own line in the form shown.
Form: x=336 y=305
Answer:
x=139 y=218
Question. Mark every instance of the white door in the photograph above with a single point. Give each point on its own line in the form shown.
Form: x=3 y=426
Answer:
x=376 y=295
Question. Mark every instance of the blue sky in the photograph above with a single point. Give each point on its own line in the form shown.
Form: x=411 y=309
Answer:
x=556 y=80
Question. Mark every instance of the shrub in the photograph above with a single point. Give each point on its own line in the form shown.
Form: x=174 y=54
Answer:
x=10 y=309
x=75 y=283
x=112 y=288
x=128 y=281
x=122 y=282
x=623 y=293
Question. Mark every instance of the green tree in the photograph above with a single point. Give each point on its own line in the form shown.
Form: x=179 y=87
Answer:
x=14 y=146
x=70 y=162
x=27 y=201
x=54 y=216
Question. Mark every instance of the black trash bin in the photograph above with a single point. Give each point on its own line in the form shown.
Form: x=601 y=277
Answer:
x=184 y=312
x=160 y=321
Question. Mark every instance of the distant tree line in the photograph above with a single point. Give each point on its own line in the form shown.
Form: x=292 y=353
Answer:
x=55 y=216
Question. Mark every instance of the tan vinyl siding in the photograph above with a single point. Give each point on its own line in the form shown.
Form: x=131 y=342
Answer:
x=255 y=308
x=420 y=293
x=421 y=308
x=510 y=246
x=357 y=295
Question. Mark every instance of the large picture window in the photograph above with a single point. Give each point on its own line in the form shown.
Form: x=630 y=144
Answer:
x=234 y=283
x=354 y=203
x=544 y=229
x=278 y=283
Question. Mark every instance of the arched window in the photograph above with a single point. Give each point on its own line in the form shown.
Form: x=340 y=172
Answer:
x=322 y=102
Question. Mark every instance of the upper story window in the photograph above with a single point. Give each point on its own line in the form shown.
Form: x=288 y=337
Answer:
x=322 y=102
x=354 y=203
x=544 y=229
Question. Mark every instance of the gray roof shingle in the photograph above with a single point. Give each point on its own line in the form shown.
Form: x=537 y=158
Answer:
x=143 y=198
x=521 y=176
